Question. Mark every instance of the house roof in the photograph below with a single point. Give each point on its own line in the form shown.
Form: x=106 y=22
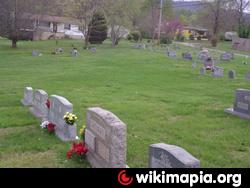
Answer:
x=48 y=18
x=196 y=28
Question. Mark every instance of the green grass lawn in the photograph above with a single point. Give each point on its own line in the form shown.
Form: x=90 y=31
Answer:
x=160 y=99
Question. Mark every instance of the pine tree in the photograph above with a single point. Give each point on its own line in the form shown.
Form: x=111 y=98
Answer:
x=98 y=29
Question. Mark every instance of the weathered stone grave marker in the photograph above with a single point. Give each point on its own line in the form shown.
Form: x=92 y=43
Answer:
x=93 y=50
x=218 y=72
x=39 y=108
x=202 y=71
x=232 y=74
x=36 y=53
x=209 y=63
x=248 y=76
x=28 y=96
x=241 y=104
x=171 y=53
x=74 y=52
x=203 y=55
x=170 y=156
x=187 y=56
x=59 y=106
x=227 y=56
x=105 y=137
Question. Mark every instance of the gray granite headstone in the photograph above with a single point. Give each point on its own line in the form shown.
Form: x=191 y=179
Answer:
x=170 y=156
x=232 y=74
x=187 y=56
x=28 y=96
x=39 y=108
x=105 y=138
x=93 y=50
x=209 y=64
x=248 y=76
x=59 y=106
x=36 y=53
x=59 y=51
x=203 y=55
x=171 y=53
x=202 y=71
x=218 y=72
x=241 y=105
x=227 y=56
x=140 y=46
x=74 y=52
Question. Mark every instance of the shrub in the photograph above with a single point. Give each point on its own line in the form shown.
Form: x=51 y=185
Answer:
x=98 y=29
x=180 y=37
x=129 y=37
x=244 y=31
x=145 y=35
x=166 y=40
x=135 y=35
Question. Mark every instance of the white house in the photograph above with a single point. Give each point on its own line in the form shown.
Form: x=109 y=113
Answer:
x=47 y=27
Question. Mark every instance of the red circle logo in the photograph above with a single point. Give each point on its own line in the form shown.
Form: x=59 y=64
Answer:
x=123 y=179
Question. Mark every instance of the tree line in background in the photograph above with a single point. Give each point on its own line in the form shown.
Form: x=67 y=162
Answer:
x=141 y=17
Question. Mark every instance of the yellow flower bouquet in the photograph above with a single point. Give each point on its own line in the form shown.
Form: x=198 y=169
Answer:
x=70 y=118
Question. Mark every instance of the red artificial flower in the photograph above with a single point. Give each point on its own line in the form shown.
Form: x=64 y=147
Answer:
x=70 y=153
x=81 y=149
x=48 y=104
x=77 y=148
x=51 y=127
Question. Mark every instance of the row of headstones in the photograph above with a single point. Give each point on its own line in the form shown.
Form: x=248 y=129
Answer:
x=37 y=101
x=203 y=55
x=105 y=135
x=73 y=52
x=219 y=72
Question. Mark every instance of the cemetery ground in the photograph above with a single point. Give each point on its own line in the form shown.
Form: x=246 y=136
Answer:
x=160 y=99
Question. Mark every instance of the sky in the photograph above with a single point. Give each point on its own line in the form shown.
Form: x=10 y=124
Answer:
x=248 y=11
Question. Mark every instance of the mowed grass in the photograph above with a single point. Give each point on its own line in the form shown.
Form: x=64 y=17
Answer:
x=160 y=100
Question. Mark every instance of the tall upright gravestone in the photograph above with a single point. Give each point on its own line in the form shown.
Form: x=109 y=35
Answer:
x=39 y=108
x=59 y=106
x=28 y=96
x=105 y=137
x=170 y=156
x=241 y=105
x=232 y=74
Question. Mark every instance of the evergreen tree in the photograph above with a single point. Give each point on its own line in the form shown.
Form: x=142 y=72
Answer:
x=98 y=29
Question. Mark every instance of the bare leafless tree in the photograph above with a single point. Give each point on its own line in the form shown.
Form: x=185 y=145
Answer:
x=15 y=20
x=12 y=20
x=241 y=6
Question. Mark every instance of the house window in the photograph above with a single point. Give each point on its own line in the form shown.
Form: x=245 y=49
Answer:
x=67 y=26
x=44 y=24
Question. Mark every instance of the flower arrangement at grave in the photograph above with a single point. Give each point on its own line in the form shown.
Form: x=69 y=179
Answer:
x=77 y=151
x=48 y=104
x=70 y=118
x=82 y=131
x=50 y=127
